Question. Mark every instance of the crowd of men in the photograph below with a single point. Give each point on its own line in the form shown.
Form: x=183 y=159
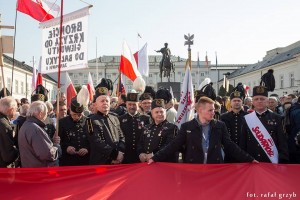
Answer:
x=141 y=128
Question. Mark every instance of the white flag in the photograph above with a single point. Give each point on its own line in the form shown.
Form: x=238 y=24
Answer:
x=33 y=83
x=141 y=58
x=90 y=87
x=185 y=111
x=171 y=91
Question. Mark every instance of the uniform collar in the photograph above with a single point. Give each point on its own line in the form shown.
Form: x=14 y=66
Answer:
x=136 y=115
x=262 y=113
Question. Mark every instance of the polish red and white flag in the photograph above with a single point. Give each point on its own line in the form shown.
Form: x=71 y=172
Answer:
x=41 y=10
x=69 y=90
x=90 y=87
x=128 y=65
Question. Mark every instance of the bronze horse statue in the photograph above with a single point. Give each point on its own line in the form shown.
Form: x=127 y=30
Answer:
x=166 y=64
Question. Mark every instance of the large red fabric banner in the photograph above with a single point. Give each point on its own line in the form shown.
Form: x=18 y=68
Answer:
x=155 y=181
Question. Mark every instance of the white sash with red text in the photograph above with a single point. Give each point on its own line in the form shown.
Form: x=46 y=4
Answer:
x=262 y=136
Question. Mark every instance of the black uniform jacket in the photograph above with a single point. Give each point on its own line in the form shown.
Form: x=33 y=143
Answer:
x=273 y=123
x=106 y=138
x=74 y=134
x=190 y=137
x=233 y=122
x=156 y=136
x=132 y=127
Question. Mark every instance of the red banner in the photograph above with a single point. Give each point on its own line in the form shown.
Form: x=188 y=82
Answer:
x=156 y=181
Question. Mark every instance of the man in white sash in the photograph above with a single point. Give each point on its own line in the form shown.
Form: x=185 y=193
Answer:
x=262 y=132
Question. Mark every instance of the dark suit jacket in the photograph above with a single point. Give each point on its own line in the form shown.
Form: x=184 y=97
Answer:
x=190 y=137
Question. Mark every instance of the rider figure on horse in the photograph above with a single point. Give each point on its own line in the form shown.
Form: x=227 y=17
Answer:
x=165 y=64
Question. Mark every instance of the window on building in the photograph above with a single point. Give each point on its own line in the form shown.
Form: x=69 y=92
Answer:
x=193 y=74
x=150 y=75
x=22 y=87
x=70 y=74
x=85 y=75
x=85 y=82
x=75 y=82
x=281 y=81
x=75 y=75
x=8 y=83
x=202 y=74
x=108 y=76
x=292 y=80
x=94 y=82
x=16 y=87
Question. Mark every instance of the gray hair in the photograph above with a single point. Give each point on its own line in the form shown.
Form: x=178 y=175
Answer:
x=274 y=98
x=36 y=108
x=7 y=103
x=23 y=109
x=247 y=99
x=49 y=106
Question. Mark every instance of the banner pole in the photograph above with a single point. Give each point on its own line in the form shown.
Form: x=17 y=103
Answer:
x=59 y=66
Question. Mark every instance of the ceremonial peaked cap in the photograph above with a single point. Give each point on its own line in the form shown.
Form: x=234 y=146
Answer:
x=158 y=103
x=102 y=88
x=75 y=106
x=238 y=92
x=164 y=94
x=260 y=91
x=39 y=94
x=149 y=93
x=132 y=97
x=207 y=91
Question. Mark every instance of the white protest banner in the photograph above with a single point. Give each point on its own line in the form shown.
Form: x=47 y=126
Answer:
x=185 y=111
x=74 y=42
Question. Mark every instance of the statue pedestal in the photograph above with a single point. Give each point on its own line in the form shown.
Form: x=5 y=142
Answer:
x=175 y=87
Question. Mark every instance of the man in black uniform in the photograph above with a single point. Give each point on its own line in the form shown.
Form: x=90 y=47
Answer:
x=157 y=134
x=233 y=119
x=107 y=140
x=73 y=131
x=202 y=139
x=260 y=144
x=132 y=125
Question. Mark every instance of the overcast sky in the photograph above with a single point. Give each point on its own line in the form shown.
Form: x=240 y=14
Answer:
x=240 y=31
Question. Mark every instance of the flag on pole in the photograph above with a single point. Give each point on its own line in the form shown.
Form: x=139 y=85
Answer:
x=141 y=58
x=186 y=105
x=90 y=87
x=41 y=10
x=69 y=90
x=39 y=78
x=121 y=88
x=171 y=91
x=33 y=83
x=206 y=60
x=128 y=65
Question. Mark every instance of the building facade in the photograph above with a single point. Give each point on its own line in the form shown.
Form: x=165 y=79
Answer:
x=22 y=80
x=284 y=61
x=108 y=67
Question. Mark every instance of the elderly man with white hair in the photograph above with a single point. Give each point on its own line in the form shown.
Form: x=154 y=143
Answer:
x=8 y=151
x=36 y=148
